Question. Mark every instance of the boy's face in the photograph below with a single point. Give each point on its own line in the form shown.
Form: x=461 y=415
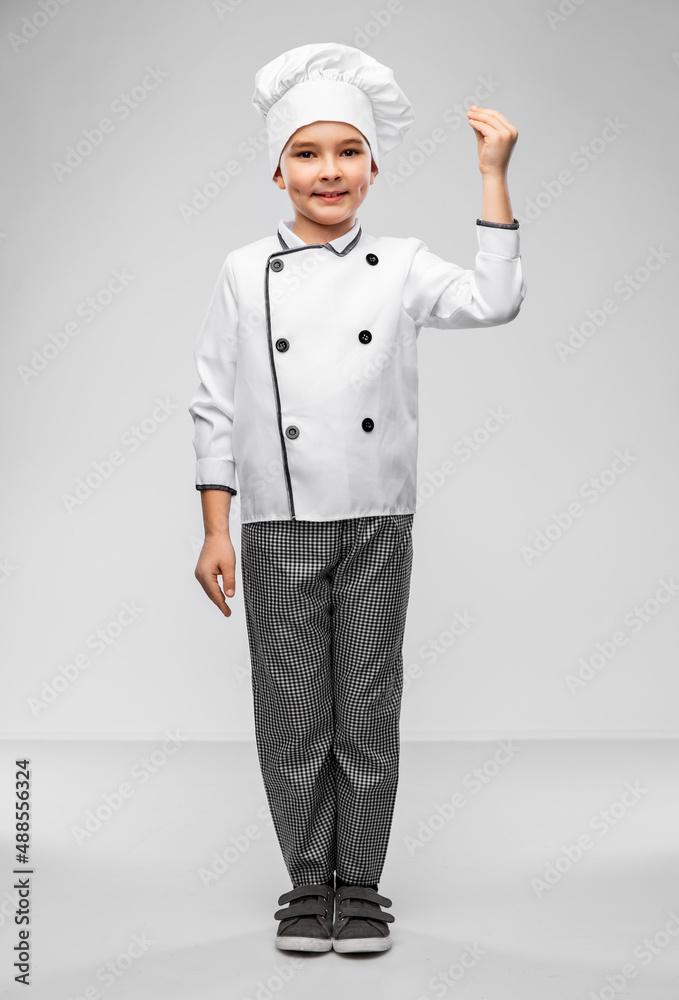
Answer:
x=326 y=157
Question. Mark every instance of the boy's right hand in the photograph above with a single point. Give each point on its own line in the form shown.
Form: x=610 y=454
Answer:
x=217 y=558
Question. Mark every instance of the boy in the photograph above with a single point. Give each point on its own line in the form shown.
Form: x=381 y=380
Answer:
x=308 y=365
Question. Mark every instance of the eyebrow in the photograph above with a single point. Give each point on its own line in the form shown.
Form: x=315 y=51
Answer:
x=343 y=142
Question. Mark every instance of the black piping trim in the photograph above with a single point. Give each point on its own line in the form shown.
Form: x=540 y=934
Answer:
x=215 y=486
x=328 y=246
x=280 y=253
x=286 y=470
x=499 y=225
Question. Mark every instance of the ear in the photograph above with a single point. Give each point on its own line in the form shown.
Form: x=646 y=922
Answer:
x=278 y=179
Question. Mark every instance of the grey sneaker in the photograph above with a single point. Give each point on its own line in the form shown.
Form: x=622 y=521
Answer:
x=360 y=924
x=306 y=925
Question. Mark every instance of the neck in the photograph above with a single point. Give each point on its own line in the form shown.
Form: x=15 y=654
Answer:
x=316 y=232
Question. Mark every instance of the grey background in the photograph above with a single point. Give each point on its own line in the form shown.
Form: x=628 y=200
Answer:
x=136 y=538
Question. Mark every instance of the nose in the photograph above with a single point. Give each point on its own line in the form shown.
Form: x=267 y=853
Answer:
x=330 y=168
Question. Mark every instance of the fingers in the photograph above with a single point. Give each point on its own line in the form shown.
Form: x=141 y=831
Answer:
x=491 y=117
x=217 y=558
x=483 y=113
x=210 y=584
x=214 y=592
x=218 y=596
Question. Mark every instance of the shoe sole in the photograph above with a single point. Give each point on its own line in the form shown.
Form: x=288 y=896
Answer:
x=287 y=942
x=362 y=944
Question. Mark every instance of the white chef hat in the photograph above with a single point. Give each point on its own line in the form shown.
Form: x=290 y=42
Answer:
x=327 y=81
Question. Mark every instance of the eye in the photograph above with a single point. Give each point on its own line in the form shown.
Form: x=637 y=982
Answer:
x=308 y=152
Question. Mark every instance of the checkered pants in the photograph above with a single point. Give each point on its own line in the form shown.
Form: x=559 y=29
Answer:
x=325 y=605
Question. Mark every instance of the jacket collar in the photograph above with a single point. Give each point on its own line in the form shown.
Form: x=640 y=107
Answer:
x=342 y=245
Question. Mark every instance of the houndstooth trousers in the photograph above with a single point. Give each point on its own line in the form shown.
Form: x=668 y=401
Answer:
x=325 y=605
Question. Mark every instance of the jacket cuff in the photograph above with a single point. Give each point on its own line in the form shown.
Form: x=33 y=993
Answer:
x=215 y=486
x=498 y=240
x=216 y=473
x=499 y=225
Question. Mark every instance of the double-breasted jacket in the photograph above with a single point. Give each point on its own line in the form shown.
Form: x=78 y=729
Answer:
x=307 y=356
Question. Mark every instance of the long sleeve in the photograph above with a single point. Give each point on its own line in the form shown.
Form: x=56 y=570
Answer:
x=213 y=402
x=443 y=295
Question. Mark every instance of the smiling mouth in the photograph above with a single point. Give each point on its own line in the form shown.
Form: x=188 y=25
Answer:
x=330 y=197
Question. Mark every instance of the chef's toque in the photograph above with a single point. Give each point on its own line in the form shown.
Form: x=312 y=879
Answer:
x=327 y=81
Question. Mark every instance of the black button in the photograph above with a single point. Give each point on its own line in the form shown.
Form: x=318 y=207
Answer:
x=372 y=258
x=282 y=344
x=367 y=424
x=365 y=336
x=277 y=264
x=292 y=431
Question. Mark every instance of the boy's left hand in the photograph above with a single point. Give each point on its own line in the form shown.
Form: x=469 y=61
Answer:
x=496 y=137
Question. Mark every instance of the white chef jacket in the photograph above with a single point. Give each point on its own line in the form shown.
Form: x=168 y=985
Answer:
x=307 y=357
